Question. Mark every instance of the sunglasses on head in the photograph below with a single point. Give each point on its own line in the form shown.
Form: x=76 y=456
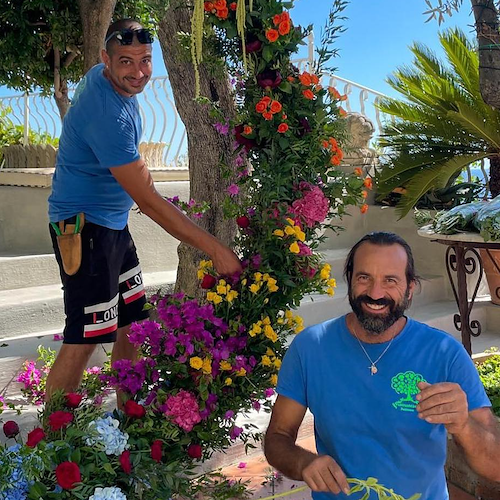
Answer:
x=126 y=36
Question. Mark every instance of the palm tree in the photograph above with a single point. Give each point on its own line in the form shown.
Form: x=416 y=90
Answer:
x=441 y=127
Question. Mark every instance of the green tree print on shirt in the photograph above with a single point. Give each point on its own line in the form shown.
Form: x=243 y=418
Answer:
x=406 y=384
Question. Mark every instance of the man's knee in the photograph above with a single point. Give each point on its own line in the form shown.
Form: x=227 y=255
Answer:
x=76 y=353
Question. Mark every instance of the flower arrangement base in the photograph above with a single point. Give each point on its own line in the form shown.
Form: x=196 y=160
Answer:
x=491 y=265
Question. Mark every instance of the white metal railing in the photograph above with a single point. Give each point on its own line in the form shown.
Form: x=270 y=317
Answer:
x=161 y=122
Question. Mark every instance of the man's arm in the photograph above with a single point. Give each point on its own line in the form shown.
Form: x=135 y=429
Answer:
x=477 y=432
x=321 y=473
x=137 y=181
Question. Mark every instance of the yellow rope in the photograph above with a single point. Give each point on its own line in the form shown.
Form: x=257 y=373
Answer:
x=197 y=40
x=240 y=24
x=285 y=494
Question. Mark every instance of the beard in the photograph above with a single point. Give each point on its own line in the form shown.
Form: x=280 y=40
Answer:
x=376 y=324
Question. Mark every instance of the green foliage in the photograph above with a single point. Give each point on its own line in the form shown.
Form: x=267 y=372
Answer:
x=489 y=372
x=371 y=485
x=441 y=127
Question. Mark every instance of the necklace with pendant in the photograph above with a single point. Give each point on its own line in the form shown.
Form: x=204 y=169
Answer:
x=373 y=364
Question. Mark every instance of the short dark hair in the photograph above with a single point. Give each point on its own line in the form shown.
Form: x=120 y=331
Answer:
x=120 y=24
x=382 y=238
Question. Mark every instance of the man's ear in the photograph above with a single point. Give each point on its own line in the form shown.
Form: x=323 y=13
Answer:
x=105 y=57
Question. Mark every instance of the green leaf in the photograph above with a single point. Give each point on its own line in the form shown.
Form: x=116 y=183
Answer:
x=267 y=53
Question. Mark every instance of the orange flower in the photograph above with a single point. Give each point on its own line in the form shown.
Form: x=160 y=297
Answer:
x=284 y=28
x=222 y=13
x=342 y=112
x=233 y=5
x=220 y=4
x=308 y=94
x=325 y=144
x=319 y=87
x=272 y=35
x=335 y=160
x=305 y=79
x=364 y=194
x=368 y=183
x=283 y=127
x=276 y=19
x=267 y=116
x=364 y=208
x=340 y=153
x=285 y=16
x=291 y=79
x=334 y=92
x=358 y=171
x=333 y=143
x=247 y=130
x=209 y=6
x=315 y=79
x=266 y=100
x=260 y=107
x=284 y=117
x=276 y=107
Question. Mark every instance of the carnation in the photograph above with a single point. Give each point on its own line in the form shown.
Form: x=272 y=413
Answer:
x=104 y=432
x=110 y=493
x=313 y=207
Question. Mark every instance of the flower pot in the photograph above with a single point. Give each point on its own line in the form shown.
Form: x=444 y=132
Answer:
x=492 y=272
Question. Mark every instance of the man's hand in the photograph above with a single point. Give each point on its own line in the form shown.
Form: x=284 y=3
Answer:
x=225 y=261
x=324 y=474
x=443 y=403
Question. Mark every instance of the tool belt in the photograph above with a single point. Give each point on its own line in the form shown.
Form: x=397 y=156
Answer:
x=69 y=241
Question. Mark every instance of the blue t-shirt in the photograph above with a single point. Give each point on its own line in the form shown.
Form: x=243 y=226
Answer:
x=101 y=130
x=369 y=423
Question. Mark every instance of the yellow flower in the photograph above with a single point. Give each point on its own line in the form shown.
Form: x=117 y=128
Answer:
x=255 y=329
x=330 y=291
x=231 y=295
x=244 y=282
x=299 y=328
x=221 y=289
x=298 y=320
x=294 y=248
x=332 y=282
x=228 y=381
x=290 y=221
x=280 y=321
x=277 y=363
x=273 y=379
x=271 y=285
x=257 y=277
x=266 y=300
x=266 y=277
x=300 y=234
x=225 y=365
x=288 y=314
x=269 y=352
x=325 y=272
x=266 y=361
x=289 y=230
x=279 y=233
x=201 y=273
x=266 y=321
x=254 y=288
x=210 y=296
x=270 y=333
x=217 y=299
x=241 y=372
x=207 y=366
x=196 y=362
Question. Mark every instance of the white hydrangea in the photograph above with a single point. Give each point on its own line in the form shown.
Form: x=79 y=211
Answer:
x=104 y=432
x=111 y=493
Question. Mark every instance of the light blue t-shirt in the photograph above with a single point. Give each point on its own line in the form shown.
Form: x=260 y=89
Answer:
x=368 y=423
x=101 y=130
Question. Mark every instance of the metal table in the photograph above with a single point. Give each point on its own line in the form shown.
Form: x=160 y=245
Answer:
x=462 y=261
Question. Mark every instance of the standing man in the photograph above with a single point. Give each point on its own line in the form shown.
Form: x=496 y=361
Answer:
x=384 y=390
x=99 y=175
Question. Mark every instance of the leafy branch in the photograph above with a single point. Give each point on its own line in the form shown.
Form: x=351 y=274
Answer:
x=371 y=485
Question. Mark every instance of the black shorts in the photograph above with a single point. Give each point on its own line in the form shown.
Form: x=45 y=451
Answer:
x=107 y=292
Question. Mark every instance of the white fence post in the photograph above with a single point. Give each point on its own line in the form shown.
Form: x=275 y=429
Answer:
x=26 y=139
x=310 y=55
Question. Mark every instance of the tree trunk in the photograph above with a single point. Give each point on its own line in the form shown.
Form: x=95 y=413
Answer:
x=96 y=16
x=206 y=147
x=62 y=99
x=488 y=37
x=494 y=181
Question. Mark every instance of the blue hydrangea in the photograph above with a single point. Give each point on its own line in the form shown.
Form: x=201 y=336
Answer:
x=112 y=493
x=17 y=478
x=104 y=432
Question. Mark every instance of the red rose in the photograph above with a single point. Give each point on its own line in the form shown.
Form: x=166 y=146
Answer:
x=125 y=462
x=156 y=452
x=233 y=5
x=73 y=399
x=10 y=429
x=34 y=437
x=243 y=221
x=59 y=419
x=194 y=451
x=67 y=475
x=208 y=282
x=283 y=127
x=133 y=409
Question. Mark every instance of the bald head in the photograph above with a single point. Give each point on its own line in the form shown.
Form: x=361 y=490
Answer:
x=117 y=26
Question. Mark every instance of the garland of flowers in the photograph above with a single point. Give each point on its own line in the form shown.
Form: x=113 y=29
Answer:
x=203 y=364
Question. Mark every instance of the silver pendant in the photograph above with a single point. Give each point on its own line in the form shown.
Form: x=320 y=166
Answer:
x=373 y=369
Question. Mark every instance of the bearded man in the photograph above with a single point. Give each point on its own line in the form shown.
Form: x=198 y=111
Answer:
x=384 y=390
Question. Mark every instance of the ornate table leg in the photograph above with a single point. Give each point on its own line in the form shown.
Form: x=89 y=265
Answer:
x=458 y=262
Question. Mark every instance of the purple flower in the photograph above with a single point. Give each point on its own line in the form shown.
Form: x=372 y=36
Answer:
x=270 y=78
x=256 y=260
x=269 y=392
x=256 y=405
x=305 y=127
x=235 y=432
x=233 y=189
x=222 y=128
x=229 y=415
x=57 y=337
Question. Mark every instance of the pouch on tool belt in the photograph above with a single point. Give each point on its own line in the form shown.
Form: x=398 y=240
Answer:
x=69 y=241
